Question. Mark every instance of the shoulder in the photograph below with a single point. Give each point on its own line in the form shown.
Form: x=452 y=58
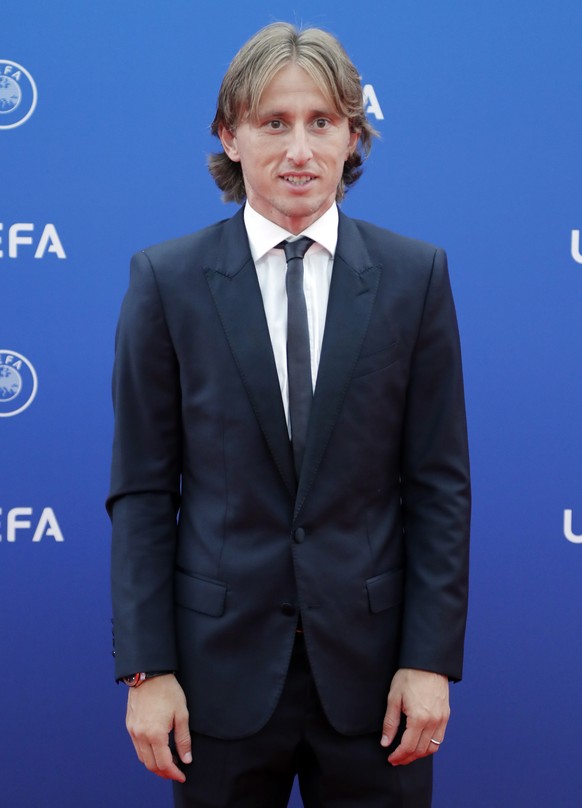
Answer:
x=171 y=264
x=380 y=240
x=404 y=261
x=187 y=249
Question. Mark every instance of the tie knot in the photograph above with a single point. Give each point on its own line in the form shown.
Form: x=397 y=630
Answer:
x=297 y=248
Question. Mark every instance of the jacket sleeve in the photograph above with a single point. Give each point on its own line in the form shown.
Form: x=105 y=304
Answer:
x=145 y=479
x=435 y=489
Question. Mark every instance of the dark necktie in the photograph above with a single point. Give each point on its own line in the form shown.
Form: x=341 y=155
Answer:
x=298 y=353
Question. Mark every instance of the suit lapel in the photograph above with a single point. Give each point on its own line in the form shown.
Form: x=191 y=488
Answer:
x=352 y=293
x=235 y=289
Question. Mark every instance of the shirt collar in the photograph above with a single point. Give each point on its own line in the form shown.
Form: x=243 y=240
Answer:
x=264 y=234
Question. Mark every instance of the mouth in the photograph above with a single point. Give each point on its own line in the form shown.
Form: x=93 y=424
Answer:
x=298 y=181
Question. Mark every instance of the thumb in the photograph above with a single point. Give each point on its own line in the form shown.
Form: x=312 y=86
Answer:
x=391 y=721
x=182 y=739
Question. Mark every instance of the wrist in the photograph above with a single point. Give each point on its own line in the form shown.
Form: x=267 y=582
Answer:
x=137 y=679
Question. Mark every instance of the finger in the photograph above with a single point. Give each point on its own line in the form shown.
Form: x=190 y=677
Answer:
x=157 y=758
x=164 y=764
x=434 y=745
x=405 y=752
x=426 y=745
x=433 y=735
x=182 y=739
x=146 y=756
x=391 y=722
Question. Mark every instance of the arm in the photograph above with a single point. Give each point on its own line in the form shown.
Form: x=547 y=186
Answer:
x=145 y=479
x=436 y=513
x=143 y=505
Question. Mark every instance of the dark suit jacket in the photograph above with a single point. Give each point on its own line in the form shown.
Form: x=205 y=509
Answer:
x=217 y=548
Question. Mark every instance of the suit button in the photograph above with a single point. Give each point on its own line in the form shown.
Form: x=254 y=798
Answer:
x=299 y=535
x=288 y=609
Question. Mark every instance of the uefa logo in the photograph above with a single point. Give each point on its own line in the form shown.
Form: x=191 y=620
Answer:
x=18 y=383
x=18 y=94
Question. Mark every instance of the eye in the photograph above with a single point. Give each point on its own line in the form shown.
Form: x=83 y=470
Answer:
x=274 y=125
x=321 y=123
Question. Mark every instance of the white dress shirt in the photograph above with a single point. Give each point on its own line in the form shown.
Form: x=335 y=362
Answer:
x=271 y=268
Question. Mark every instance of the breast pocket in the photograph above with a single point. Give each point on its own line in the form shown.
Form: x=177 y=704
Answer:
x=372 y=363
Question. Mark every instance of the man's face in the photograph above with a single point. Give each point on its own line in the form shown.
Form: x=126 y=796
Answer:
x=292 y=156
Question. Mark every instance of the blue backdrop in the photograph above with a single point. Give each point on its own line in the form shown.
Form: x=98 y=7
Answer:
x=104 y=114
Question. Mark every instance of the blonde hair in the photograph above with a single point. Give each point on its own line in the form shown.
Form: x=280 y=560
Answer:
x=255 y=65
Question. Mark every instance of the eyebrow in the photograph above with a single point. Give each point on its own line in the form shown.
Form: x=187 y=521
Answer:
x=314 y=113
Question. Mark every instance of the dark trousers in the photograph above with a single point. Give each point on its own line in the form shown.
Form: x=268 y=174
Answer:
x=334 y=771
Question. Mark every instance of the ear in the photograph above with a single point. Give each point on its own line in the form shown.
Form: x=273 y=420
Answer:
x=228 y=140
x=352 y=143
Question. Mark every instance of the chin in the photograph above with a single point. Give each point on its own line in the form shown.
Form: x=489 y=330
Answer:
x=304 y=207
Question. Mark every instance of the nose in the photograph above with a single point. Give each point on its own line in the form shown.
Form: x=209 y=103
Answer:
x=299 y=149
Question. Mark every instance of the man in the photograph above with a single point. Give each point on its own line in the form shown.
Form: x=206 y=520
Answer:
x=289 y=606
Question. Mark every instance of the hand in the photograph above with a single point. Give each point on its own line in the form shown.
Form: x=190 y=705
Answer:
x=423 y=697
x=154 y=709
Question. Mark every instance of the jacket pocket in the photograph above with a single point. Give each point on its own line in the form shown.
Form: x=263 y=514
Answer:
x=200 y=594
x=385 y=590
